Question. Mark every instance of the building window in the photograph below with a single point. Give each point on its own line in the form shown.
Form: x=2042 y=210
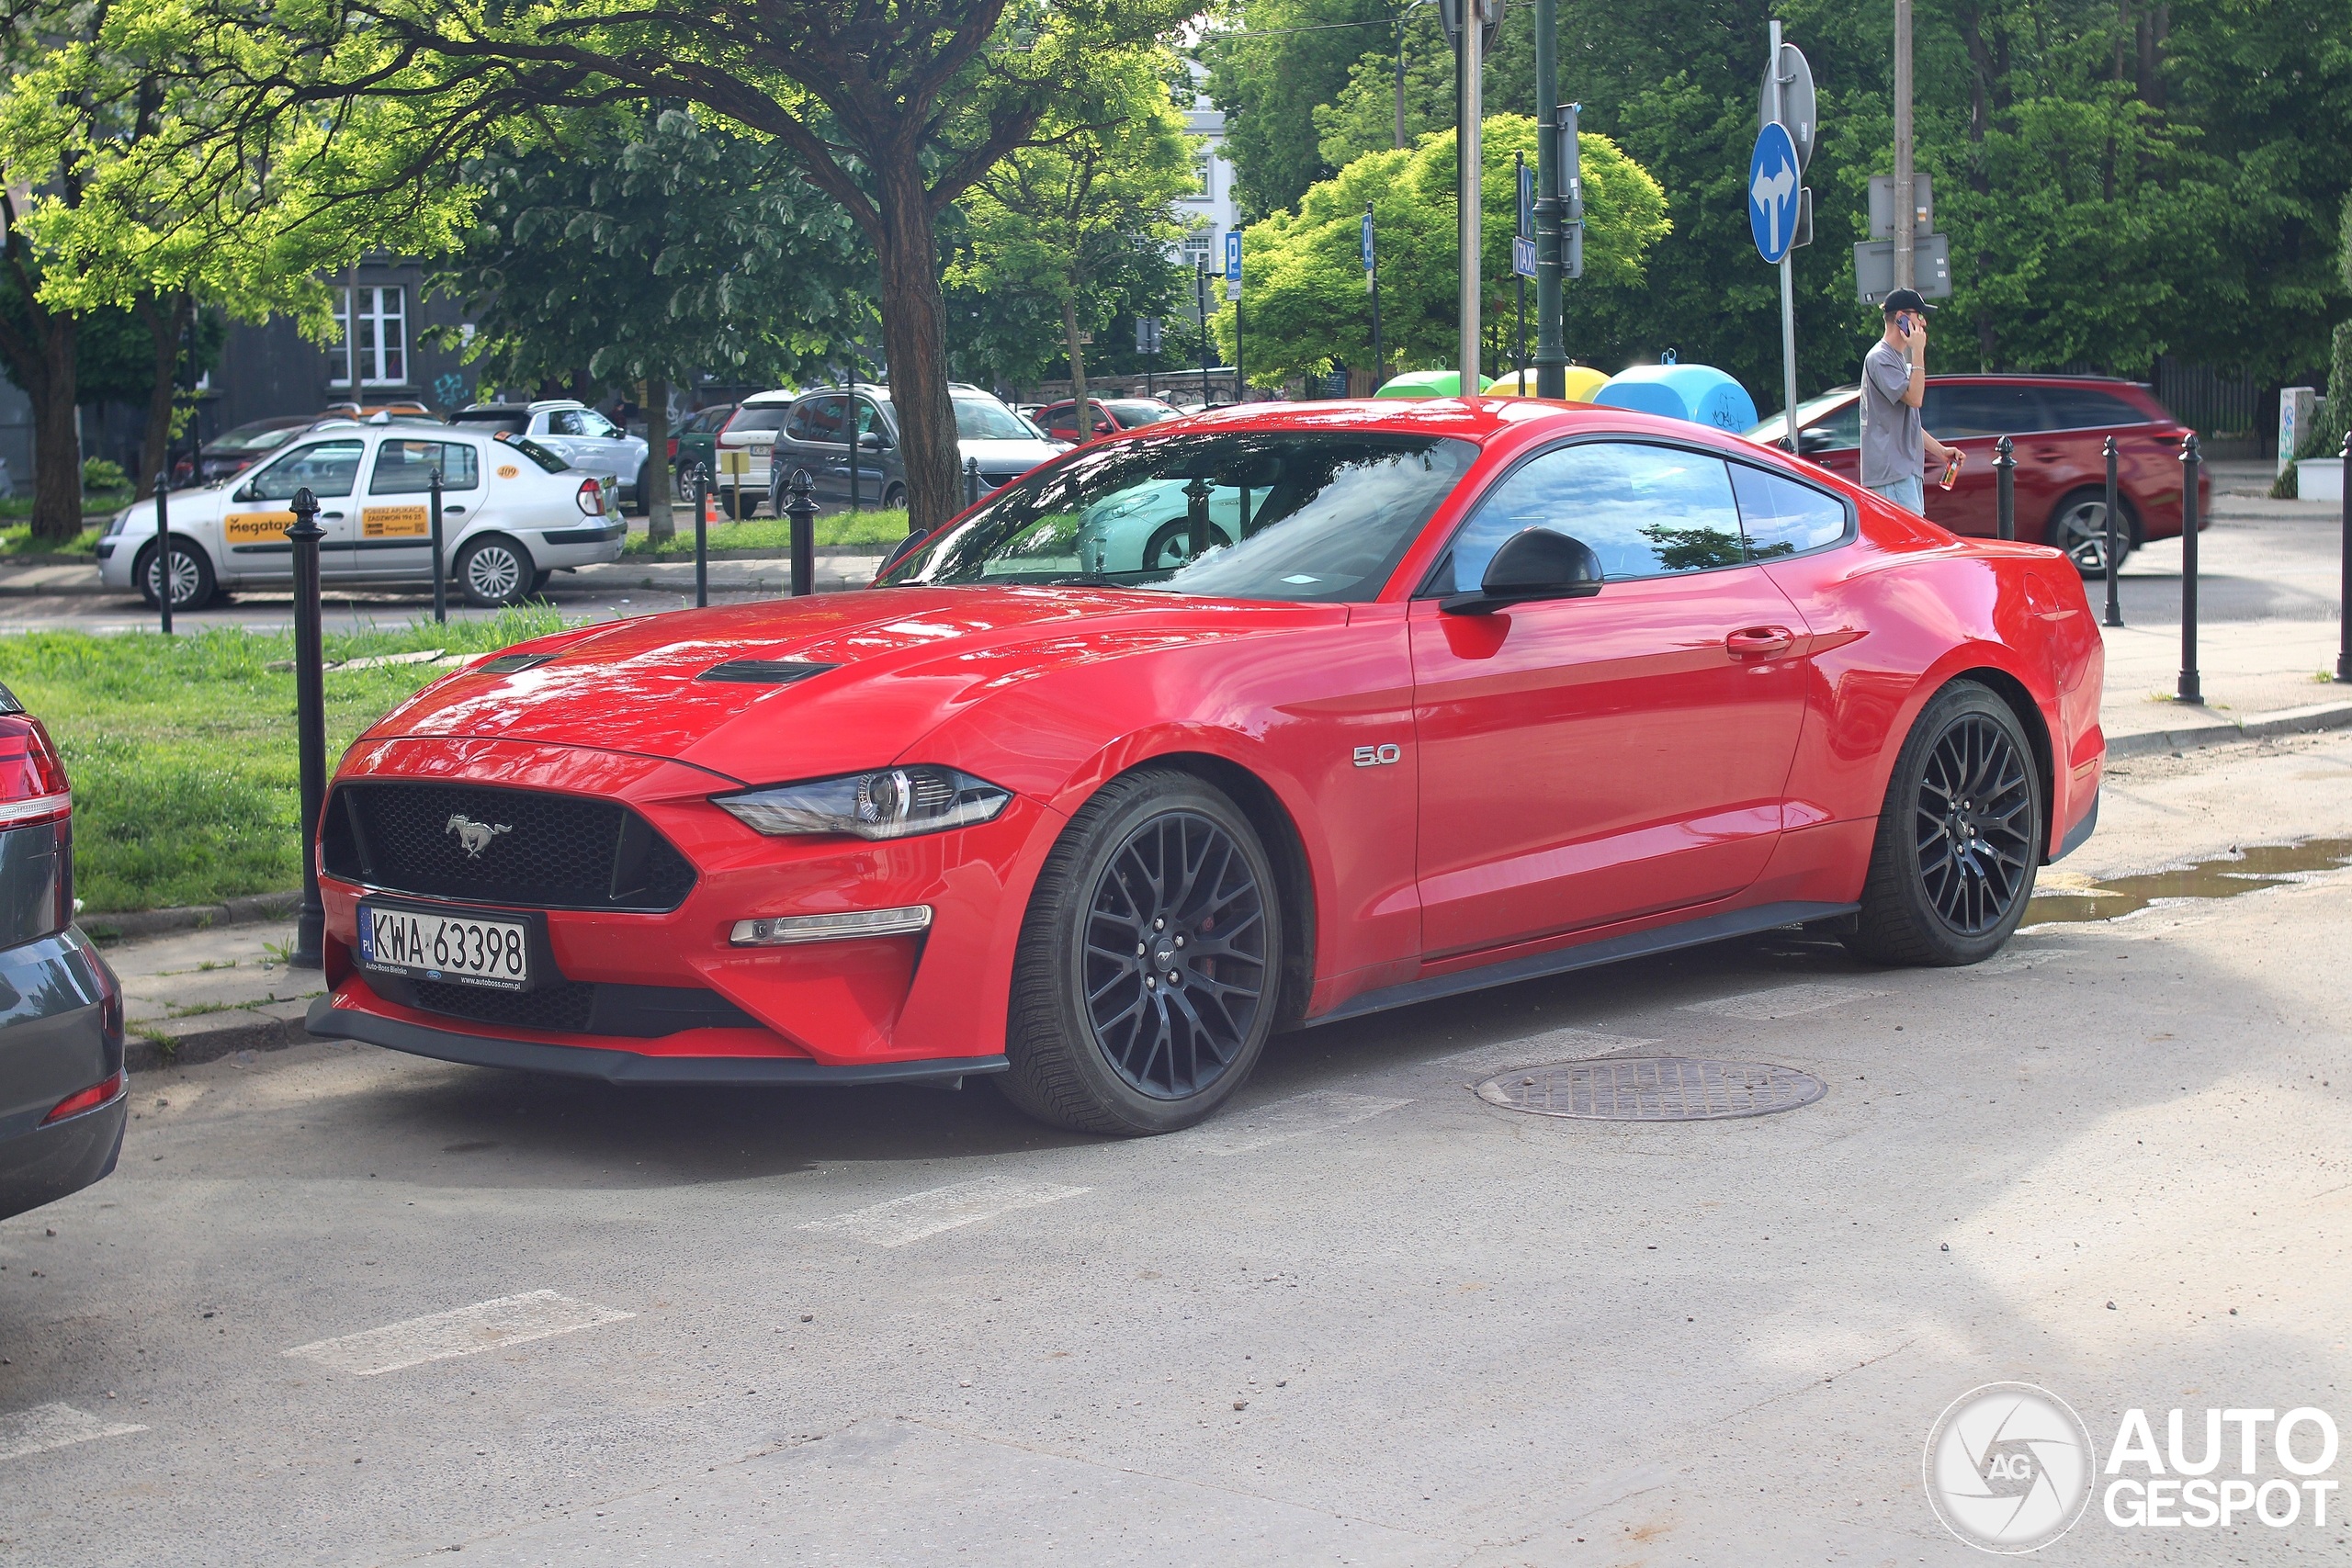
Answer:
x=383 y=337
x=1198 y=245
x=1204 y=166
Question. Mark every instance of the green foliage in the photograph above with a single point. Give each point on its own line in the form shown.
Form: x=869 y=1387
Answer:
x=181 y=749
x=1077 y=231
x=1303 y=290
x=1270 y=87
x=632 y=249
x=99 y=474
x=878 y=527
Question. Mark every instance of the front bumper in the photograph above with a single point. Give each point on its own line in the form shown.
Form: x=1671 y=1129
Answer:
x=330 y=1022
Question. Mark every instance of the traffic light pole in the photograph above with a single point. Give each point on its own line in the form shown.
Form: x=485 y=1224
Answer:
x=1467 y=146
x=1551 y=349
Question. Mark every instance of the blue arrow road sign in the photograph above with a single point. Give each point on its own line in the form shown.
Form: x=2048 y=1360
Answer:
x=1772 y=192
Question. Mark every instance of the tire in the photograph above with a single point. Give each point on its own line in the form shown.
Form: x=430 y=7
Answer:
x=1925 y=902
x=193 y=584
x=894 y=498
x=540 y=580
x=1170 y=545
x=644 y=487
x=2079 y=527
x=1100 y=1040
x=495 y=571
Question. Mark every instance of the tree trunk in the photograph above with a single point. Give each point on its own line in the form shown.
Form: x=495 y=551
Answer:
x=914 y=335
x=656 y=499
x=1084 y=422
x=166 y=323
x=57 y=437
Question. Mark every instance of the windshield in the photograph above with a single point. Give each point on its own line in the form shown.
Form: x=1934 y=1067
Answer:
x=1135 y=412
x=977 y=419
x=255 y=437
x=1776 y=427
x=1249 y=515
x=757 y=417
x=534 y=451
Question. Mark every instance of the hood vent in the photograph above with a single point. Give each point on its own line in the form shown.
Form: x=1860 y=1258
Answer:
x=764 y=671
x=511 y=663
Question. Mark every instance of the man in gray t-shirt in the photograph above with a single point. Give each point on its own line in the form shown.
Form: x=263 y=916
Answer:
x=1894 y=385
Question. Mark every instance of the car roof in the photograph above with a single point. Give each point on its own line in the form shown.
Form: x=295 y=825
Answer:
x=780 y=395
x=490 y=410
x=546 y=405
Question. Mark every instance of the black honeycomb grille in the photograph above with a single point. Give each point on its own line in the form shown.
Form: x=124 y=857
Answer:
x=574 y=1007
x=501 y=846
x=559 y=1010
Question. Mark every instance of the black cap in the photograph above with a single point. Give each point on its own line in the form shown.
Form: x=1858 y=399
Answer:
x=1907 y=299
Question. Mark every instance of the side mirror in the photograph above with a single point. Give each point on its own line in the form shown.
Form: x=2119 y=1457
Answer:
x=904 y=548
x=1533 y=564
x=1811 y=441
x=244 y=492
x=874 y=440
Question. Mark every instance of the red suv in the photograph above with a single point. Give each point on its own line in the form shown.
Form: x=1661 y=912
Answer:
x=2058 y=426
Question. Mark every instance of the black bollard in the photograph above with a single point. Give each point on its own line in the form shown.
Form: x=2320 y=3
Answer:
x=440 y=574
x=164 y=542
x=2114 y=540
x=2005 y=476
x=972 y=481
x=310 y=723
x=800 y=506
x=2191 y=689
x=2343 y=600
x=701 y=538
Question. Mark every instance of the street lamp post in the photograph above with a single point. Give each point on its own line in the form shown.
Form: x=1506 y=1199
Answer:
x=1551 y=348
x=1203 y=280
x=1469 y=155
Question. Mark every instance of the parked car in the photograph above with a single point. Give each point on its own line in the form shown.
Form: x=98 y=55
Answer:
x=695 y=438
x=814 y=437
x=514 y=512
x=573 y=430
x=235 y=451
x=751 y=430
x=2058 y=426
x=1110 y=416
x=1482 y=693
x=63 y=1088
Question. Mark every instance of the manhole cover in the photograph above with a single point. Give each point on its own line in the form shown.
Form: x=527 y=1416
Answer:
x=1653 y=1088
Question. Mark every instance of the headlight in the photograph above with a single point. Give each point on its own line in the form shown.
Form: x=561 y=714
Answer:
x=891 y=803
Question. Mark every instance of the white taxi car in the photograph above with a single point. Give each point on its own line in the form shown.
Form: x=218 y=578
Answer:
x=513 y=513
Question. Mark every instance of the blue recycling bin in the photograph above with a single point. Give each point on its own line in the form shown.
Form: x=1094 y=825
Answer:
x=1700 y=393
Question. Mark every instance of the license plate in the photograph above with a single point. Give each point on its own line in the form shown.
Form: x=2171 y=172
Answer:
x=434 y=945
x=762 y=448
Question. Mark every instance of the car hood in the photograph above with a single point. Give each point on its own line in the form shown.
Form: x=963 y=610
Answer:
x=998 y=457
x=904 y=661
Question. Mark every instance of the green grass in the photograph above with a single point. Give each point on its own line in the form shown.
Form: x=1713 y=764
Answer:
x=880 y=529
x=181 y=749
x=18 y=540
x=93 y=503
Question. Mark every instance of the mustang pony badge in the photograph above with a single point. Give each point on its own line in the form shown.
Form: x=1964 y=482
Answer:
x=474 y=837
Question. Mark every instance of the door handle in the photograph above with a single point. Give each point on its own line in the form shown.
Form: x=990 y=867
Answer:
x=330 y=516
x=1760 y=641
x=451 y=511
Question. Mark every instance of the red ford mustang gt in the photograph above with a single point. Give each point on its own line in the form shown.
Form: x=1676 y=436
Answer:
x=1432 y=696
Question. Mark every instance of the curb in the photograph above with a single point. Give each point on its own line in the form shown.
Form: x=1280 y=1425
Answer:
x=100 y=925
x=2283 y=721
x=208 y=1037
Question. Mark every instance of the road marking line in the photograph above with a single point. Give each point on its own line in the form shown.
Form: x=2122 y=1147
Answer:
x=919 y=1214
x=1782 y=1001
x=1239 y=1132
x=1540 y=1050
x=444 y=1336
x=2011 y=963
x=52 y=1426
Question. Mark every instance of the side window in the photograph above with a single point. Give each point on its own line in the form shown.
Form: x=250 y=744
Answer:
x=1062 y=421
x=1645 y=510
x=405 y=467
x=1980 y=409
x=588 y=421
x=815 y=419
x=2082 y=408
x=1781 y=517
x=565 y=421
x=1843 y=428
x=329 y=467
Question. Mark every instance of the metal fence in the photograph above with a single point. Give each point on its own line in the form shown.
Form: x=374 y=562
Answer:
x=2210 y=402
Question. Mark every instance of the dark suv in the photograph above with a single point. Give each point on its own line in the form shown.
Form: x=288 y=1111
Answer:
x=2058 y=426
x=63 y=1092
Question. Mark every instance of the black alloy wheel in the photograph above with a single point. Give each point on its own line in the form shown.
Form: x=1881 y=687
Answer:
x=1171 y=544
x=192 y=582
x=1149 y=963
x=2079 y=528
x=1960 y=839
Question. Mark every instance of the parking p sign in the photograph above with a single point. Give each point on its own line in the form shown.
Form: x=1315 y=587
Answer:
x=1232 y=263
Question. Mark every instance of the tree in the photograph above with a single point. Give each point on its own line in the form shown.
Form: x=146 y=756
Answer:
x=1269 y=74
x=1303 y=290
x=1091 y=205
x=135 y=201
x=892 y=108
x=643 y=249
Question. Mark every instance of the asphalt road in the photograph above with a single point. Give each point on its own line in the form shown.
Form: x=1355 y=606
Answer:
x=1363 y=1317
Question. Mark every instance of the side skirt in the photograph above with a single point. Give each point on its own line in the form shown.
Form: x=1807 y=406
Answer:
x=1609 y=949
